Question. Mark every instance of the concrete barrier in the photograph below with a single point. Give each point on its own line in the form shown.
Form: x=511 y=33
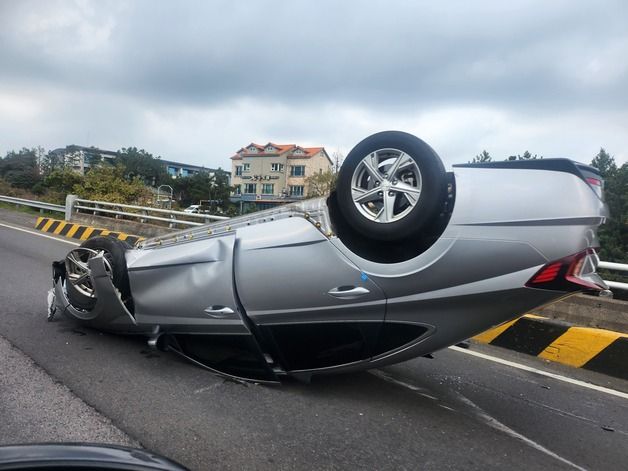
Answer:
x=80 y=231
x=589 y=311
x=600 y=350
x=121 y=225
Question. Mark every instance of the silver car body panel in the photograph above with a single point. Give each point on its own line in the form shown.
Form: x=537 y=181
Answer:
x=295 y=262
x=185 y=285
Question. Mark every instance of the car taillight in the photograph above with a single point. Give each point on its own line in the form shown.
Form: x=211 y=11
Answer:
x=547 y=274
x=573 y=273
x=597 y=185
x=593 y=178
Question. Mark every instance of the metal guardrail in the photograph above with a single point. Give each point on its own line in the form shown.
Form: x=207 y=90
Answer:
x=33 y=204
x=615 y=267
x=142 y=213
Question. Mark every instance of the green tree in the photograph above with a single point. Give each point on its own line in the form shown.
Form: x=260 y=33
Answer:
x=93 y=158
x=203 y=186
x=321 y=184
x=63 y=180
x=220 y=189
x=108 y=183
x=526 y=156
x=50 y=162
x=20 y=168
x=142 y=164
x=605 y=163
x=484 y=156
x=614 y=234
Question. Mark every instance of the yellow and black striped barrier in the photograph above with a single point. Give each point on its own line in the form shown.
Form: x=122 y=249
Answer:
x=599 y=350
x=80 y=231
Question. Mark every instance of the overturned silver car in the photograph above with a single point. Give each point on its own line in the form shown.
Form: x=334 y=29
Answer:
x=401 y=260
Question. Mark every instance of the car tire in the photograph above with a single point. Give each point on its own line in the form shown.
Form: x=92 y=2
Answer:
x=391 y=186
x=114 y=252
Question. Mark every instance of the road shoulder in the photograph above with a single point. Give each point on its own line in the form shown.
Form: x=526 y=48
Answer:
x=34 y=408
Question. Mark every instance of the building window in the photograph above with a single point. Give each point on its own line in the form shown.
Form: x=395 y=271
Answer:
x=246 y=167
x=297 y=171
x=268 y=188
x=276 y=167
x=172 y=171
x=238 y=171
x=270 y=149
x=252 y=150
x=237 y=189
x=250 y=188
x=296 y=190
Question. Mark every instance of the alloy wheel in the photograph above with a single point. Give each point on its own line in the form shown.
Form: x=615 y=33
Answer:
x=78 y=272
x=386 y=185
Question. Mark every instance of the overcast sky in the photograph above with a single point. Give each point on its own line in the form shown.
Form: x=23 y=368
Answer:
x=195 y=81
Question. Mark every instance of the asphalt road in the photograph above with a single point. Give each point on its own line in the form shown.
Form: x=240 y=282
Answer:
x=456 y=411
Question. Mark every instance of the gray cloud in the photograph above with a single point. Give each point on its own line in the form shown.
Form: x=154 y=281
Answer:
x=121 y=72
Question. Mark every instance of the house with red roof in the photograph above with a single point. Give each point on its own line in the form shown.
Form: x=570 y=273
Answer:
x=272 y=174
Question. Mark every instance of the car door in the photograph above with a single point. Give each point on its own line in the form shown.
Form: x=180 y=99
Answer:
x=187 y=290
x=187 y=283
x=316 y=307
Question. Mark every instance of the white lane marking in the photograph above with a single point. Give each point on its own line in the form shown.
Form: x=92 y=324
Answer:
x=386 y=377
x=39 y=234
x=497 y=425
x=490 y=421
x=420 y=391
x=428 y=396
x=565 y=379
